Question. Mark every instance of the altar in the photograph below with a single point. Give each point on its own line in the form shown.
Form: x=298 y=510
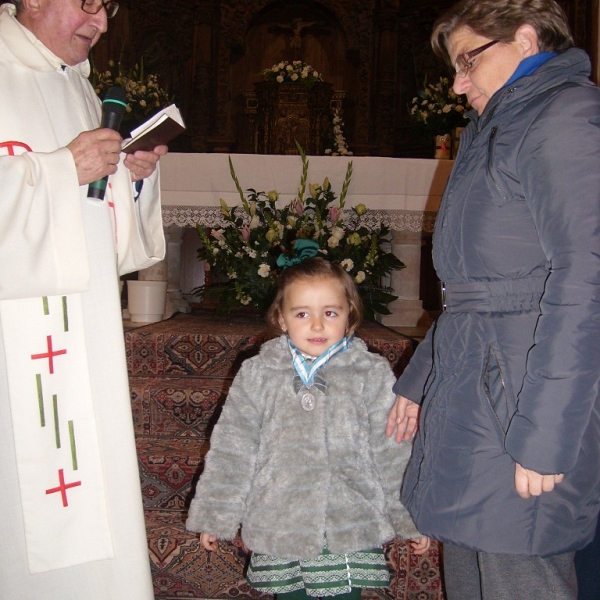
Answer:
x=403 y=194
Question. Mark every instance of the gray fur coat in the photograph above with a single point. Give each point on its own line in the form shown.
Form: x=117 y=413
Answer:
x=291 y=476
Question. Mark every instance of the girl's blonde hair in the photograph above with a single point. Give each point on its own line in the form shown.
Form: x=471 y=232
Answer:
x=309 y=269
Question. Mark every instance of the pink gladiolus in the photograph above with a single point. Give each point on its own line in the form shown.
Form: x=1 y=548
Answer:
x=245 y=232
x=298 y=206
x=334 y=214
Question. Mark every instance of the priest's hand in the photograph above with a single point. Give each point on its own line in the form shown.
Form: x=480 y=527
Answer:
x=142 y=164
x=404 y=418
x=208 y=541
x=529 y=483
x=96 y=154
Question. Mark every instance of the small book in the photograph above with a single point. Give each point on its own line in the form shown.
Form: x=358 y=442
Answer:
x=159 y=129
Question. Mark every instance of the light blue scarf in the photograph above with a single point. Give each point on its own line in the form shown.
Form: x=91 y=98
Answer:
x=307 y=369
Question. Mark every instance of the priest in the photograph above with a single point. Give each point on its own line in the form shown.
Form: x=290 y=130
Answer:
x=71 y=519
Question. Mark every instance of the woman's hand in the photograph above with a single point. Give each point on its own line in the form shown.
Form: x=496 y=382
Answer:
x=404 y=418
x=529 y=483
x=208 y=541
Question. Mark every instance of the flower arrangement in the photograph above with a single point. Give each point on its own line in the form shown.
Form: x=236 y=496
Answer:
x=437 y=108
x=292 y=72
x=339 y=147
x=255 y=234
x=144 y=94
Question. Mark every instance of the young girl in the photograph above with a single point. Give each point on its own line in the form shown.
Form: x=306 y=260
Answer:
x=299 y=455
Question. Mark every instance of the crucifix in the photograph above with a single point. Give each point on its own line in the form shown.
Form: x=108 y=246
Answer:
x=295 y=31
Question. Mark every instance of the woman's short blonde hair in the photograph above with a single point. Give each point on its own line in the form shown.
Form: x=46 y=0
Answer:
x=313 y=268
x=500 y=19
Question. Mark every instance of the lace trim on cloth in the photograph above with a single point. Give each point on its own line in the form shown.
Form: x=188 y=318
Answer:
x=397 y=220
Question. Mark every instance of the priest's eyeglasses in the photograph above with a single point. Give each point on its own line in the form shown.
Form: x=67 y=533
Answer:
x=464 y=61
x=93 y=7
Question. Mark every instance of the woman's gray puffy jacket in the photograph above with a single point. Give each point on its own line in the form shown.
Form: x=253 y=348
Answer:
x=509 y=373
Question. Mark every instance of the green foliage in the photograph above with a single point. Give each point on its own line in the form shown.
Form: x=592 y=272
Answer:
x=255 y=233
x=144 y=94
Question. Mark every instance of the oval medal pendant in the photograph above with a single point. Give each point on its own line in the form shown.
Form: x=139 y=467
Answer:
x=308 y=401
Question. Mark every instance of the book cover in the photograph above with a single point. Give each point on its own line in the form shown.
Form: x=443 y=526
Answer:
x=159 y=129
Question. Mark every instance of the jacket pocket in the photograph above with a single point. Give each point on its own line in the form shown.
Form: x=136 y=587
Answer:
x=497 y=390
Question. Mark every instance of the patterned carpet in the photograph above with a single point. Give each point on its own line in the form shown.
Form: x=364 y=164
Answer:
x=180 y=372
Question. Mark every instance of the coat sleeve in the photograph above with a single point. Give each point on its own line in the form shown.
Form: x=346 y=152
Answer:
x=390 y=457
x=560 y=172
x=139 y=229
x=220 y=500
x=411 y=384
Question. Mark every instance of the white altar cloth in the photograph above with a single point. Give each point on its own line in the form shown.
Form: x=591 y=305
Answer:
x=402 y=194
x=405 y=188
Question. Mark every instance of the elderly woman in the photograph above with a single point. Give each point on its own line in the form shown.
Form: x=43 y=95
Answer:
x=506 y=463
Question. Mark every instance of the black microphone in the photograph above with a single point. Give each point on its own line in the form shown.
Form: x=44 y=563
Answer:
x=113 y=109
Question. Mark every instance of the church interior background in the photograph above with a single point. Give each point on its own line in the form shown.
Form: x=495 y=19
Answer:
x=375 y=55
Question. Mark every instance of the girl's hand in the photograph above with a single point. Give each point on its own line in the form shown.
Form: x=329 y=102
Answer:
x=208 y=541
x=420 y=545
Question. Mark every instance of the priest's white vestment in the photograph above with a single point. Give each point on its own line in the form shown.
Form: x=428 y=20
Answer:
x=71 y=519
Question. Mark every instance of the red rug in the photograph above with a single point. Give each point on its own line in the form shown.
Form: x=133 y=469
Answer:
x=180 y=372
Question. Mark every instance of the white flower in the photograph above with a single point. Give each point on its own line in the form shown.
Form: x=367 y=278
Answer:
x=264 y=269
x=232 y=275
x=347 y=264
x=254 y=222
x=338 y=233
x=360 y=277
x=333 y=242
x=280 y=79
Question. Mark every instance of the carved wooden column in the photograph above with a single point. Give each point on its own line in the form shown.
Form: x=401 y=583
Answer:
x=385 y=113
x=203 y=68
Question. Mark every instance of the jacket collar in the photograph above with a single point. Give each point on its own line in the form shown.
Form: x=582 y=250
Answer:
x=572 y=65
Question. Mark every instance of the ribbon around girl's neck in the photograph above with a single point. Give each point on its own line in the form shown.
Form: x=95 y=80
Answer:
x=303 y=249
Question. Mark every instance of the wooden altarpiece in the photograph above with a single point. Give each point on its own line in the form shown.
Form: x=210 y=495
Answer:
x=290 y=112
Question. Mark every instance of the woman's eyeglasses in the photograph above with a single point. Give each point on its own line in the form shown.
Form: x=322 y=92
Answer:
x=93 y=7
x=465 y=61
